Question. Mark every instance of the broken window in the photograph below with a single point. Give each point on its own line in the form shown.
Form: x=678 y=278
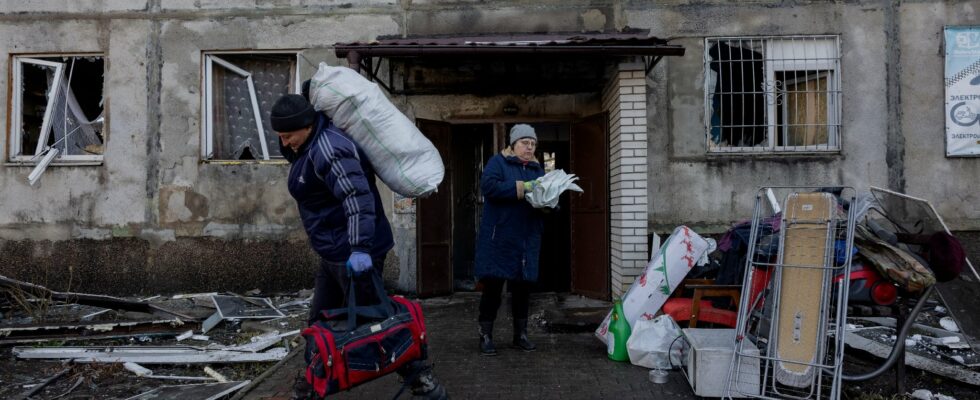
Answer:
x=57 y=111
x=239 y=91
x=772 y=94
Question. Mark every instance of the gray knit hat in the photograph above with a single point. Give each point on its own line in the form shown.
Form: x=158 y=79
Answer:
x=521 y=131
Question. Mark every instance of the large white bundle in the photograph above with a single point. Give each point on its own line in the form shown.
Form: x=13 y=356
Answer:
x=404 y=158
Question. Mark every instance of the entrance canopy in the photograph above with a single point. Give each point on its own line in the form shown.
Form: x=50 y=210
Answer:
x=514 y=63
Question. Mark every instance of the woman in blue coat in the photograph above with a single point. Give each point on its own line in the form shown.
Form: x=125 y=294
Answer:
x=510 y=235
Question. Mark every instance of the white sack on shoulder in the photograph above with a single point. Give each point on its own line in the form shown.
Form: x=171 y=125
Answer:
x=402 y=156
x=550 y=187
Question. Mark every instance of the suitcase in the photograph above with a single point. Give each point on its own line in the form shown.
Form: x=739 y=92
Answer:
x=347 y=347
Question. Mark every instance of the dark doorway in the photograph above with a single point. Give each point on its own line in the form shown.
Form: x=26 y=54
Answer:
x=434 y=246
x=472 y=146
x=448 y=222
x=554 y=268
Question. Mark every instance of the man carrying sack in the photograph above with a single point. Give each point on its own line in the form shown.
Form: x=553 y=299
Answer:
x=333 y=184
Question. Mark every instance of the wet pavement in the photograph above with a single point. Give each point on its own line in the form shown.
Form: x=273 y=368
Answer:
x=571 y=364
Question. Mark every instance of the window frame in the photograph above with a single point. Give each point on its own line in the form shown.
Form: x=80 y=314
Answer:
x=829 y=65
x=15 y=151
x=208 y=60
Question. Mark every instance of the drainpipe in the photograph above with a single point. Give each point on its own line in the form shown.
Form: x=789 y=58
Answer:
x=354 y=61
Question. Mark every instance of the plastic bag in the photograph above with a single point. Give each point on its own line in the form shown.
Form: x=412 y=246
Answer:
x=651 y=342
x=549 y=187
x=403 y=158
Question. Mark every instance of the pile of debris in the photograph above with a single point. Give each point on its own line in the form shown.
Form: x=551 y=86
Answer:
x=204 y=345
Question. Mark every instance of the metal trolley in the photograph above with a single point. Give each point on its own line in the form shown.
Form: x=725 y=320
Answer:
x=789 y=338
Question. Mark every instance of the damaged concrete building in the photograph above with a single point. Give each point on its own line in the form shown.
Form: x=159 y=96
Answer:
x=167 y=176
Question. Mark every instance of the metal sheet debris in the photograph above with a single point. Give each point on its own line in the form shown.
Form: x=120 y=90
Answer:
x=245 y=307
x=32 y=333
x=148 y=354
x=206 y=391
x=264 y=341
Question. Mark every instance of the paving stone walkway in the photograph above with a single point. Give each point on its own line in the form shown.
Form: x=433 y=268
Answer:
x=565 y=366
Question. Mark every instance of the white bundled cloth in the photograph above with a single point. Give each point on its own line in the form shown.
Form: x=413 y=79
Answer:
x=404 y=158
x=549 y=187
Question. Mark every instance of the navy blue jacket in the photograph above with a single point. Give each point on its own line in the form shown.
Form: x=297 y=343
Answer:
x=333 y=184
x=510 y=229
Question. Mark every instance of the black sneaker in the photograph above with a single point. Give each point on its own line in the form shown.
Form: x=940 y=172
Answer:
x=427 y=387
x=302 y=390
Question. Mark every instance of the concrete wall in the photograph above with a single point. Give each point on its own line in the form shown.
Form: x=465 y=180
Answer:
x=892 y=96
x=158 y=219
x=950 y=183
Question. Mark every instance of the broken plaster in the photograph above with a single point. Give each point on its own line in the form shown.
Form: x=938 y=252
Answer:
x=593 y=20
x=157 y=237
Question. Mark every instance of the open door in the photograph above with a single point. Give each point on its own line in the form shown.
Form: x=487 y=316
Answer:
x=590 y=210
x=432 y=220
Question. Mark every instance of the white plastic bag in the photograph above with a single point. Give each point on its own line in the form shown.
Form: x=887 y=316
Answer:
x=651 y=342
x=549 y=187
x=404 y=158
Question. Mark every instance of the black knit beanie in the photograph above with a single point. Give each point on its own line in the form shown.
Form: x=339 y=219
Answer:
x=291 y=112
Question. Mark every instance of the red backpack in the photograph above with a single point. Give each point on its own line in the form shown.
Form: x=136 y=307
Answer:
x=350 y=346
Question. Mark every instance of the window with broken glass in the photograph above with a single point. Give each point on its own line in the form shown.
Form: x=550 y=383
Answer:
x=772 y=94
x=57 y=109
x=239 y=91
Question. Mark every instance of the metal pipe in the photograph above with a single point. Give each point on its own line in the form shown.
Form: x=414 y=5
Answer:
x=899 y=348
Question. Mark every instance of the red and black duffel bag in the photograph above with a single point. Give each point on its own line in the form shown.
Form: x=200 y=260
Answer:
x=350 y=346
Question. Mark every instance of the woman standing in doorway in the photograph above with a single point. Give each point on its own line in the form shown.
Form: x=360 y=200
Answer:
x=510 y=236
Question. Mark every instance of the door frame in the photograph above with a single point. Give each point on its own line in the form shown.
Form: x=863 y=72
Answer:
x=499 y=137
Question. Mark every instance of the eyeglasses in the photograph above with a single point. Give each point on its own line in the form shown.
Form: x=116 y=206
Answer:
x=527 y=143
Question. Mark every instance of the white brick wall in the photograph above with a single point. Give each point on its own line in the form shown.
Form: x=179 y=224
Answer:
x=625 y=101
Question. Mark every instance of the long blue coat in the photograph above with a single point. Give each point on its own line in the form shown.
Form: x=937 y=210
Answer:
x=510 y=229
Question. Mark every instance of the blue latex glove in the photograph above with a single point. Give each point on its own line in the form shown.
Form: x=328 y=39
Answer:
x=359 y=262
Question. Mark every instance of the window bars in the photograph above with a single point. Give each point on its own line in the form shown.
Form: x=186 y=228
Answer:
x=772 y=94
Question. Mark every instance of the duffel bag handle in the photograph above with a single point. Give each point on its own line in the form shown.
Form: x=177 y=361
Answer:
x=381 y=311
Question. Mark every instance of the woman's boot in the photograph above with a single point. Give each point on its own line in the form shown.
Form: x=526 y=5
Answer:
x=520 y=336
x=486 y=339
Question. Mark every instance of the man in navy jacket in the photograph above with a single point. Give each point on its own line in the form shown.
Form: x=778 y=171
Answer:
x=333 y=184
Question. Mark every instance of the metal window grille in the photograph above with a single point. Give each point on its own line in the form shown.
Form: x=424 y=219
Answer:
x=772 y=94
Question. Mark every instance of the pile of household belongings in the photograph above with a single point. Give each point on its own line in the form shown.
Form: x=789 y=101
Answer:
x=668 y=266
x=911 y=255
x=911 y=259
x=402 y=156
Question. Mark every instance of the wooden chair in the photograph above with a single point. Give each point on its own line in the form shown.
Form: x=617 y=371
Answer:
x=698 y=308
